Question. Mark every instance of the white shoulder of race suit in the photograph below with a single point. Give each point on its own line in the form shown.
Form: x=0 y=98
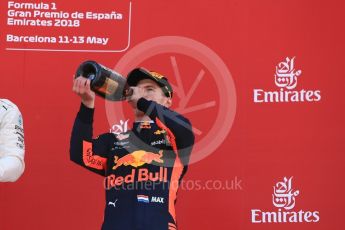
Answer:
x=12 y=146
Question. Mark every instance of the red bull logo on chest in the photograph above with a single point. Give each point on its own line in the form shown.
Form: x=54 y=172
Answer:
x=138 y=158
x=139 y=175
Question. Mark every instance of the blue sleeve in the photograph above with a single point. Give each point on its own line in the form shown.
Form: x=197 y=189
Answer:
x=84 y=150
x=179 y=125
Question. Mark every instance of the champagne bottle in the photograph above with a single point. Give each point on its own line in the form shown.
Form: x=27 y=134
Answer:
x=104 y=82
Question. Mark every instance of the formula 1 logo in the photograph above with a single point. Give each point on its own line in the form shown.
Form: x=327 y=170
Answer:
x=283 y=194
x=286 y=75
x=138 y=158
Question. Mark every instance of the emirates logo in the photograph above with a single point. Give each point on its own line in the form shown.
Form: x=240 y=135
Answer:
x=283 y=194
x=286 y=75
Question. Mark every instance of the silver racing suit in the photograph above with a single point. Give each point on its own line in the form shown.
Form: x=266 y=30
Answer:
x=12 y=146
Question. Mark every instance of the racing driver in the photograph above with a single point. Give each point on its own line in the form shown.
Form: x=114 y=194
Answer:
x=142 y=167
x=11 y=142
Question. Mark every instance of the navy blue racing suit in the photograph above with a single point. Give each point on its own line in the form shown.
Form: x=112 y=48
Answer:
x=142 y=167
